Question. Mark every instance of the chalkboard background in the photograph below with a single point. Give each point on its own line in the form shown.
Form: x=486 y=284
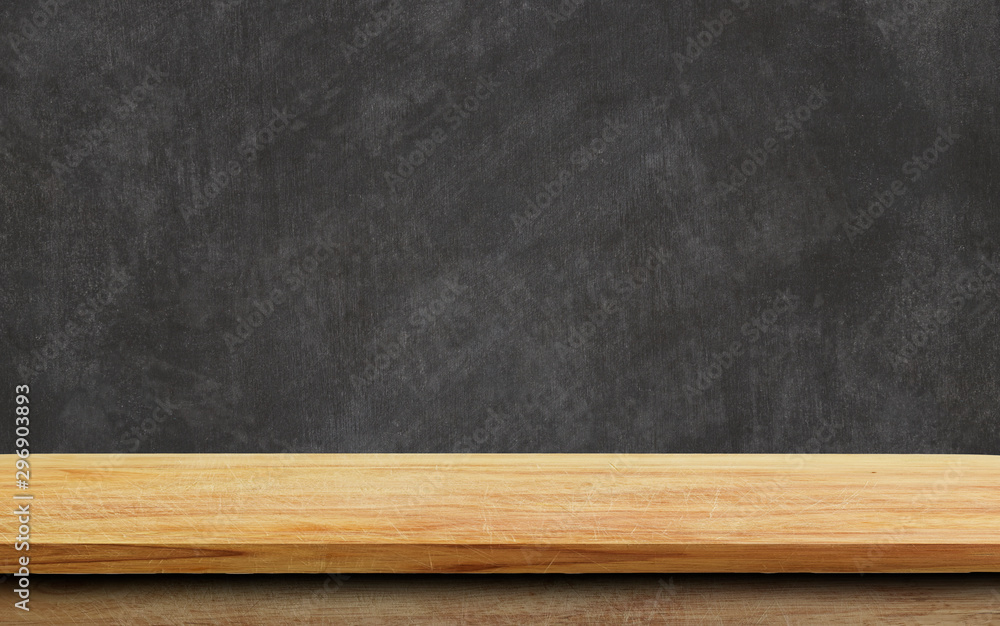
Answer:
x=433 y=226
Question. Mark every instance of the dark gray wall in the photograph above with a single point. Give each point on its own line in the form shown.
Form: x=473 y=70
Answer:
x=502 y=226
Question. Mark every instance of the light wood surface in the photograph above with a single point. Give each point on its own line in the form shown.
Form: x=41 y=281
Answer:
x=620 y=599
x=249 y=513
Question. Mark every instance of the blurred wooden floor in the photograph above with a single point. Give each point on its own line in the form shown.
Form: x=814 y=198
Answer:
x=508 y=599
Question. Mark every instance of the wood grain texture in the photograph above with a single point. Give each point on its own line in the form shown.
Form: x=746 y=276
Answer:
x=619 y=599
x=558 y=513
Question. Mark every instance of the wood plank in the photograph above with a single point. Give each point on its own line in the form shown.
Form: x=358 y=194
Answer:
x=618 y=599
x=561 y=513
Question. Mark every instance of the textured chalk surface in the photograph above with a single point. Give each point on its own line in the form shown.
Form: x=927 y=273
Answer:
x=433 y=226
